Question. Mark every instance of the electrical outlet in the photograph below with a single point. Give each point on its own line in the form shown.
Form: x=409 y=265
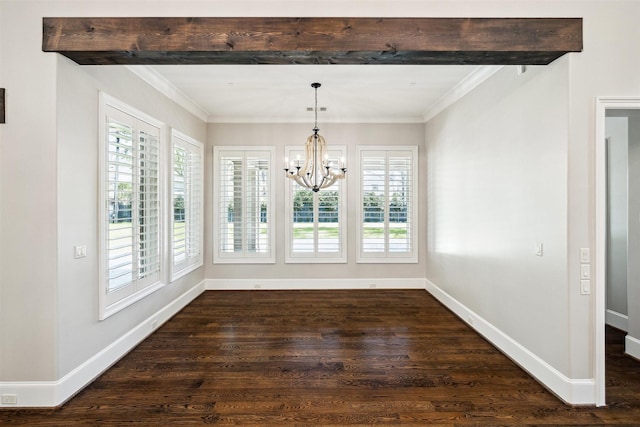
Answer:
x=9 y=399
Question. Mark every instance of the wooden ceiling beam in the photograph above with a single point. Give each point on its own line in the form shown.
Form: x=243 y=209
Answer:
x=422 y=41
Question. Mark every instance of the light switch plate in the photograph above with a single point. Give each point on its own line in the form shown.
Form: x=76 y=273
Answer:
x=585 y=255
x=80 y=251
x=585 y=271
x=585 y=287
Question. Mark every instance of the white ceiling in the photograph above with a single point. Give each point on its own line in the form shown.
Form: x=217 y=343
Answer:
x=282 y=93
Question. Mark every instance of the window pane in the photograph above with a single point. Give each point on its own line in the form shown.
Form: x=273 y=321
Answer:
x=329 y=219
x=194 y=219
x=149 y=206
x=303 y=220
x=373 y=203
x=399 y=201
x=256 y=201
x=187 y=203
x=179 y=193
x=120 y=187
x=230 y=214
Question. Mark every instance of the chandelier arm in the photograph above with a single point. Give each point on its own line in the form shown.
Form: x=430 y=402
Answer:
x=323 y=156
x=330 y=182
x=306 y=182
x=308 y=165
x=299 y=180
x=323 y=182
x=338 y=174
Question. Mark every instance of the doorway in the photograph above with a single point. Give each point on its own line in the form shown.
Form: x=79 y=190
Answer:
x=617 y=156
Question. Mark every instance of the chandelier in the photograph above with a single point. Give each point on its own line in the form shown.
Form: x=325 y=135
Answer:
x=316 y=171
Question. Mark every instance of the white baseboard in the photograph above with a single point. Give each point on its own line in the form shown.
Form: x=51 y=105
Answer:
x=632 y=346
x=313 y=284
x=55 y=393
x=572 y=391
x=617 y=320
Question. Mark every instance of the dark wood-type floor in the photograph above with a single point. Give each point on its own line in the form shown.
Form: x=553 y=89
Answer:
x=327 y=358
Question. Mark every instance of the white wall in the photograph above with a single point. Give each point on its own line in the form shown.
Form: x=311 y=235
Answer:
x=617 y=133
x=281 y=135
x=80 y=334
x=497 y=163
x=28 y=214
x=633 y=268
x=606 y=67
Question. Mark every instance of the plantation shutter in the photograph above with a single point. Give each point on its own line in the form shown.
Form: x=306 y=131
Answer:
x=148 y=246
x=187 y=204
x=400 y=202
x=120 y=202
x=244 y=193
x=316 y=221
x=180 y=162
x=132 y=220
x=195 y=193
x=374 y=189
x=387 y=214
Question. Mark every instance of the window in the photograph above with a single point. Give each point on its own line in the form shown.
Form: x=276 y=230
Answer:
x=243 y=192
x=186 y=189
x=130 y=214
x=316 y=229
x=387 y=214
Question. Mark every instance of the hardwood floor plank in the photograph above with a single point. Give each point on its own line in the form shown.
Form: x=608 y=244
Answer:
x=328 y=358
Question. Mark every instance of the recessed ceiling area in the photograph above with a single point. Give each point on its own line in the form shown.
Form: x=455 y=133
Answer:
x=259 y=69
x=283 y=93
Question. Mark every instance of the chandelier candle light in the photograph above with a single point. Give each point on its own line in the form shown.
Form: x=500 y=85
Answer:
x=316 y=172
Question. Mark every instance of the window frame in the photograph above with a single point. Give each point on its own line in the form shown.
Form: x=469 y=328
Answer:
x=387 y=256
x=244 y=257
x=190 y=263
x=340 y=257
x=115 y=301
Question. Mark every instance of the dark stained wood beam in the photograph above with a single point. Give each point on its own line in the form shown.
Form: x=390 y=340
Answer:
x=482 y=41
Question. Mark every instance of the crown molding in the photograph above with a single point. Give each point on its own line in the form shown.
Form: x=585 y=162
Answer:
x=298 y=119
x=473 y=80
x=164 y=86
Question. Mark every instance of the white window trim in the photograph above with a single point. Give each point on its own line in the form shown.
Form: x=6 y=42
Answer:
x=244 y=258
x=111 y=305
x=316 y=257
x=386 y=256
x=179 y=139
